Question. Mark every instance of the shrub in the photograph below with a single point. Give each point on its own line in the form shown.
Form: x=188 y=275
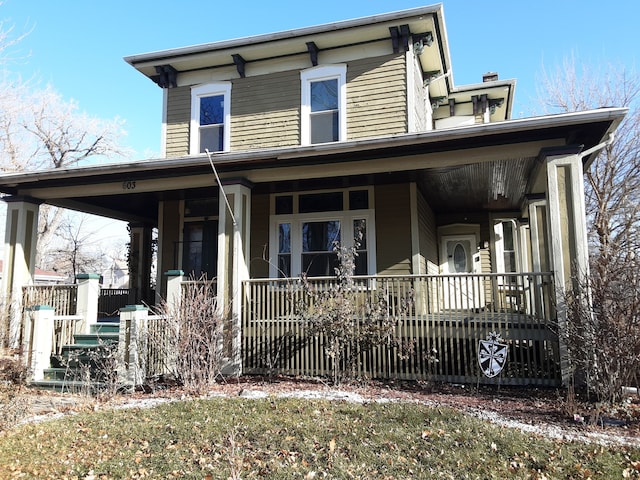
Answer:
x=193 y=338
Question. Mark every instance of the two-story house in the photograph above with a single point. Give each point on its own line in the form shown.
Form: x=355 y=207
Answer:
x=277 y=146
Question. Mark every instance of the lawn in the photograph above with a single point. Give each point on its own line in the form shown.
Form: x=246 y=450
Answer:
x=295 y=438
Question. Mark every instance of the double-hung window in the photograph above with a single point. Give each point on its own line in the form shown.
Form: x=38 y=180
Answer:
x=323 y=106
x=307 y=228
x=210 y=118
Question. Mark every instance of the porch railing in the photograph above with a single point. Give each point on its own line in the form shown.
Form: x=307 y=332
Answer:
x=441 y=319
x=63 y=300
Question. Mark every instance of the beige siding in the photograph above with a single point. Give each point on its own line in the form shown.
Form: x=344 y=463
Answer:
x=265 y=111
x=178 y=119
x=393 y=229
x=259 y=266
x=428 y=235
x=376 y=97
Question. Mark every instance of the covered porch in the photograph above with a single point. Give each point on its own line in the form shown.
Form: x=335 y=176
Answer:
x=482 y=226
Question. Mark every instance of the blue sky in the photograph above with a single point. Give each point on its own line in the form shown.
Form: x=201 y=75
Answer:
x=78 y=45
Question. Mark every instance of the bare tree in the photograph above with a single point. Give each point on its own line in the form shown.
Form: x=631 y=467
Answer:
x=40 y=130
x=603 y=333
x=75 y=250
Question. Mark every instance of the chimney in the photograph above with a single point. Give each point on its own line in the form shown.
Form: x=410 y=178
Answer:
x=490 y=77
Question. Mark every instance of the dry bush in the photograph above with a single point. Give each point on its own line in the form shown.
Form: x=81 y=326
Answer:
x=13 y=404
x=192 y=343
x=349 y=324
x=603 y=328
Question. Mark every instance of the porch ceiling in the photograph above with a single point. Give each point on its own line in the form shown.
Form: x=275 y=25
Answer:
x=497 y=185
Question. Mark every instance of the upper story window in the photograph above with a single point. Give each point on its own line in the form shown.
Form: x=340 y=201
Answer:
x=323 y=104
x=210 y=118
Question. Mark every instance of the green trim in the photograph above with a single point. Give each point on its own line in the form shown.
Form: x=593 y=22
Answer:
x=36 y=308
x=133 y=308
x=174 y=273
x=88 y=276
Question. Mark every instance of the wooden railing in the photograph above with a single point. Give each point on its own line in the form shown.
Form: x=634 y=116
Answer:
x=63 y=299
x=440 y=321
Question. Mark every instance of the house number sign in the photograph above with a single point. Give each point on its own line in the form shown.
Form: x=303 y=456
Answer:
x=492 y=355
x=129 y=185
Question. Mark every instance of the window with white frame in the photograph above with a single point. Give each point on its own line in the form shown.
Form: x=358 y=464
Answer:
x=323 y=106
x=505 y=244
x=306 y=228
x=210 y=118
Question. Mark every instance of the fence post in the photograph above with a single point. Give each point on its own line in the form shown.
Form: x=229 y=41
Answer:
x=87 y=300
x=132 y=345
x=39 y=339
x=174 y=289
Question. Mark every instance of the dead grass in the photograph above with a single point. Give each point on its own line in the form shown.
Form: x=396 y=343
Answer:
x=296 y=438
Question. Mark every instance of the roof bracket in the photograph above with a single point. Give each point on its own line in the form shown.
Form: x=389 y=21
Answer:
x=313 y=53
x=395 y=39
x=495 y=103
x=167 y=76
x=405 y=33
x=421 y=40
x=437 y=102
x=240 y=63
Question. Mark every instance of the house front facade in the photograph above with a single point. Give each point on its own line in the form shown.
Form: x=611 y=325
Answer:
x=277 y=147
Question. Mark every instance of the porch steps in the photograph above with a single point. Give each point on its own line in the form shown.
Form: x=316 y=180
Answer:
x=87 y=365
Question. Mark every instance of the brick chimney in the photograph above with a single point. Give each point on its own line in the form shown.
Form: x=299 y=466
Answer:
x=490 y=77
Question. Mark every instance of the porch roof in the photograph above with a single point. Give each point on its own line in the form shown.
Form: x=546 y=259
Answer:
x=440 y=161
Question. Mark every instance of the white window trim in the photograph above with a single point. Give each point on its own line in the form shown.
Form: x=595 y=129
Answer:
x=346 y=218
x=498 y=241
x=324 y=72
x=209 y=90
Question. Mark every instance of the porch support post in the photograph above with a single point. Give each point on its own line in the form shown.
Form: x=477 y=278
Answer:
x=567 y=231
x=174 y=289
x=21 y=236
x=132 y=345
x=39 y=341
x=140 y=262
x=87 y=300
x=233 y=266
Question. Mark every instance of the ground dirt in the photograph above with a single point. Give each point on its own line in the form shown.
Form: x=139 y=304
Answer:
x=540 y=411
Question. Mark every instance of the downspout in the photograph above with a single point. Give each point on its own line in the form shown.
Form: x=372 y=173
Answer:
x=599 y=146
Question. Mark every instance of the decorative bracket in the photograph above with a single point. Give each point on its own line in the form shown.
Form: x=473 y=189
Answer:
x=167 y=76
x=240 y=63
x=313 y=53
x=437 y=102
x=420 y=40
x=400 y=38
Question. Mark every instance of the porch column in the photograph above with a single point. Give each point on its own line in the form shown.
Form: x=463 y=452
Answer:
x=87 y=300
x=233 y=262
x=174 y=289
x=567 y=217
x=567 y=232
x=132 y=345
x=21 y=236
x=140 y=262
x=39 y=326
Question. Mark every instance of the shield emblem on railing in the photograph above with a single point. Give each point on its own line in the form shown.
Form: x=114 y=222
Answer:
x=492 y=355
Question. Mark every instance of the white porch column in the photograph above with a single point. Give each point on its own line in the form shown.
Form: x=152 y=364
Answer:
x=568 y=246
x=233 y=265
x=21 y=236
x=39 y=329
x=87 y=300
x=132 y=345
x=174 y=289
x=567 y=220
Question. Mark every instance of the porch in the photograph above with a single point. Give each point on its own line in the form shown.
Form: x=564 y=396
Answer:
x=440 y=321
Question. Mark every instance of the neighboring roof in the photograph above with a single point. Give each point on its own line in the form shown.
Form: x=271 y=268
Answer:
x=42 y=275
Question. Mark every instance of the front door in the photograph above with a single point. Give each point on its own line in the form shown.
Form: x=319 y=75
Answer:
x=459 y=261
